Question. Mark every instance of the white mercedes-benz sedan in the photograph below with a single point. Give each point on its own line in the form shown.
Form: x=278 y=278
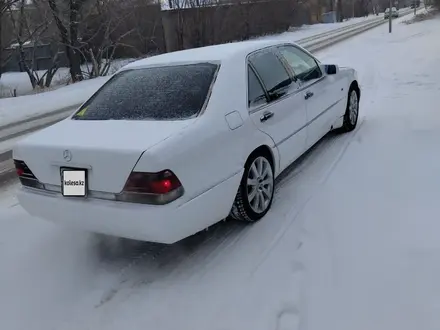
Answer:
x=174 y=143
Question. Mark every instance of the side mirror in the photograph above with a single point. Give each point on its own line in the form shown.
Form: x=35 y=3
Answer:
x=331 y=69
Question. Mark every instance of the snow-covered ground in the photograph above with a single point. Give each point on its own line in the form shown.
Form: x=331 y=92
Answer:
x=19 y=81
x=350 y=243
x=13 y=109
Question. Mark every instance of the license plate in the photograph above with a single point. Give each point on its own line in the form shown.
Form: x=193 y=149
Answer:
x=73 y=182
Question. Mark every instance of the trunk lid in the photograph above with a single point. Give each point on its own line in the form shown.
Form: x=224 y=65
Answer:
x=108 y=149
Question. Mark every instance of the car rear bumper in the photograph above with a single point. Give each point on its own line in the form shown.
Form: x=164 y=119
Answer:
x=163 y=224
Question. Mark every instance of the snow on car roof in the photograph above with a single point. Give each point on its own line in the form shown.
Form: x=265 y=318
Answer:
x=206 y=54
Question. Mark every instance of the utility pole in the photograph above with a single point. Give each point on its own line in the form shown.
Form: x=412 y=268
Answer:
x=415 y=7
x=390 y=28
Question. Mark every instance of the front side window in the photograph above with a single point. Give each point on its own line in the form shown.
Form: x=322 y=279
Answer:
x=271 y=70
x=303 y=65
x=159 y=93
x=256 y=94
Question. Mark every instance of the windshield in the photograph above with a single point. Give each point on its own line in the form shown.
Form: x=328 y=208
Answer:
x=159 y=93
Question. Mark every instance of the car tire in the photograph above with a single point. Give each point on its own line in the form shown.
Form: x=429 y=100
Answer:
x=255 y=194
x=352 y=111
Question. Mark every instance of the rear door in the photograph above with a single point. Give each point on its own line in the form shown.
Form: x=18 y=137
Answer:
x=275 y=105
x=319 y=91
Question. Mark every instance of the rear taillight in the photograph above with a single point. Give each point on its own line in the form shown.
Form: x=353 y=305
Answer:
x=151 y=188
x=27 y=178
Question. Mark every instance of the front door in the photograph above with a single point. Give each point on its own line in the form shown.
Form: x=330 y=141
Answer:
x=275 y=104
x=320 y=92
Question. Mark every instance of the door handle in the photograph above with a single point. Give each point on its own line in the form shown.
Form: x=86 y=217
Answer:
x=308 y=95
x=266 y=116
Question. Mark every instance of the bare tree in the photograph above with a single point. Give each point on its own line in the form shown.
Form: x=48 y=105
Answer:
x=27 y=35
x=90 y=31
x=4 y=6
x=105 y=33
x=67 y=15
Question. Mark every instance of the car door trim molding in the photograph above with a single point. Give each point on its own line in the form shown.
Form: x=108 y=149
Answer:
x=327 y=109
x=308 y=123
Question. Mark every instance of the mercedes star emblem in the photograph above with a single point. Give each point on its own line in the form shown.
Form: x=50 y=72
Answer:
x=67 y=155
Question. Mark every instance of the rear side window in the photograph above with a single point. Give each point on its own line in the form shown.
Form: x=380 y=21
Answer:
x=271 y=70
x=160 y=93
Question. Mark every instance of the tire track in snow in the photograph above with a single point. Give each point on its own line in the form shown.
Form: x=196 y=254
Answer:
x=296 y=212
x=229 y=240
x=153 y=263
x=288 y=319
x=7 y=193
x=303 y=302
x=224 y=235
x=165 y=262
x=292 y=315
x=154 y=252
x=216 y=238
x=303 y=165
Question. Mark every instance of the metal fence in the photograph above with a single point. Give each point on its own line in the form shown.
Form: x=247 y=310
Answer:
x=37 y=57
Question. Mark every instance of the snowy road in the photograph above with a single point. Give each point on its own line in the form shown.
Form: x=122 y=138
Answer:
x=350 y=243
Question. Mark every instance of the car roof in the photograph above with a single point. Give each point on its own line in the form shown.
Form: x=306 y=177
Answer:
x=206 y=54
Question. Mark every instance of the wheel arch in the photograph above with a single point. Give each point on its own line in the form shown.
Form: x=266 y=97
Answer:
x=355 y=85
x=263 y=150
x=240 y=209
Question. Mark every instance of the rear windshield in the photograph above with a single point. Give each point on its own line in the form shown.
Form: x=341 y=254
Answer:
x=159 y=93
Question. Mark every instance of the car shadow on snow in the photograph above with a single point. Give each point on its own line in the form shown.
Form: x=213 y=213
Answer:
x=144 y=262
x=132 y=264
